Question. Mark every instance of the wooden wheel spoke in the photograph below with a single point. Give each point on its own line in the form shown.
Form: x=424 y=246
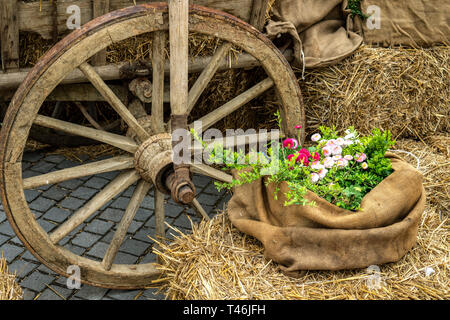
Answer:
x=207 y=74
x=113 y=164
x=113 y=100
x=234 y=104
x=198 y=207
x=211 y=172
x=88 y=116
x=159 y=215
x=141 y=190
x=118 y=185
x=158 y=61
x=116 y=140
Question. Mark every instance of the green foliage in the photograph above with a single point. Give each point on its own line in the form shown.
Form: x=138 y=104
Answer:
x=355 y=8
x=342 y=183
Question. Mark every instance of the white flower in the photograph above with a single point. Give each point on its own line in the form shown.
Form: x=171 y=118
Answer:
x=337 y=157
x=316 y=137
x=364 y=165
x=340 y=141
x=316 y=165
x=314 y=177
x=348 y=157
x=328 y=162
x=336 y=150
x=326 y=151
x=349 y=135
x=331 y=142
x=342 y=163
x=348 y=142
x=323 y=173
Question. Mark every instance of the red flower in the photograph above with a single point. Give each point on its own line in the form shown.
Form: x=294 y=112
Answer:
x=315 y=156
x=305 y=151
x=303 y=158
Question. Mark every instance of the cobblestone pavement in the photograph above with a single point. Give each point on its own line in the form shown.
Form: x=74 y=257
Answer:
x=53 y=204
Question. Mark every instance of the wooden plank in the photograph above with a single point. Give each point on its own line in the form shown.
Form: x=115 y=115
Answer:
x=108 y=165
x=32 y=19
x=159 y=43
x=100 y=7
x=179 y=55
x=9 y=34
x=258 y=15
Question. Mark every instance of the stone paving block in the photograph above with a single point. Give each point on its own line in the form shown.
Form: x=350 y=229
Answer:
x=112 y=214
x=85 y=239
x=96 y=182
x=65 y=164
x=143 y=214
x=46 y=225
x=99 y=227
x=17 y=241
x=207 y=199
x=71 y=184
x=108 y=175
x=30 y=195
x=148 y=203
x=43 y=167
x=129 y=192
x=91 y=293
x=183 y=222
x=84 y=193
x=98 y=250
x=75 y=249
x=120 y=203
x=55 y=193
x=212 y=189
x=134 y=247
x=6 y=229
x=2 y=216
x=28 y=294
x=32 y=156
x=55 y=158
x=29 y=173
x=22 y=268
x=3 y=239
x=57 y=214
x=123 y=294
x=200 y=181
x=134 y=226
x=153 y=294
x=28 y=256
x=72 y=203
x=142 y=235
x=36 y=281
x=124 y=258
x=42 y=204
x=172 y=210
x=10 y=252
x=150 y=257
x=60 y=294
x=42 y=268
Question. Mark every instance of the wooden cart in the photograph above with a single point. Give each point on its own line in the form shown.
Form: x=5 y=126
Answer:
x=78 y=59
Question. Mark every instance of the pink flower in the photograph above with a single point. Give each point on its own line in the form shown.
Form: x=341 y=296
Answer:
x=298 y=127
x=316 y=165
x=342 y=163
x=303 y=158
x=336 y=150
x=290 y=143
x=314 y=177
x=348 y=157
x=331 y=142
x=328 y=162
x=323 y=173
x=289 y=157
x=316 y=137
x=336 y=157
x=340 y=141
x=360 y=157
x=315 y=156
x=364 y=165
x=305 y=151
x=326 y=151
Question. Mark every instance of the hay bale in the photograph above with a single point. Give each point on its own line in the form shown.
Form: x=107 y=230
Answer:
x=9 y=289
x=406 y=91
x=216 y=261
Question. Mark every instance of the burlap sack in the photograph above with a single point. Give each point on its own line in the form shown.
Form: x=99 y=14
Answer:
x=322 y=29
x=326 y=237
x=414 y=23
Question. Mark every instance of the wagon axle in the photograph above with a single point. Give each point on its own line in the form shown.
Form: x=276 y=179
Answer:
x=154 y=162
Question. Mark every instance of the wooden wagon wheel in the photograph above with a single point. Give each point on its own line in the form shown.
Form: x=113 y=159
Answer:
x=73 y=52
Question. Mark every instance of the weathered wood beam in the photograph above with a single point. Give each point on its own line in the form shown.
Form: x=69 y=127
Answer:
x=258 y=15
x=9 y=34
x=100 y=7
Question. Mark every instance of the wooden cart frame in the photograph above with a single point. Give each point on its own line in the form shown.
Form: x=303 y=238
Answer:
x=148 y=144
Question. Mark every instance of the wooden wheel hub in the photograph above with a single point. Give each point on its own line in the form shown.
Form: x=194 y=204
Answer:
x=153 y=160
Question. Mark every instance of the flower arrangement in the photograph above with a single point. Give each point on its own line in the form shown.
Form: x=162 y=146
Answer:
x=340 y=169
